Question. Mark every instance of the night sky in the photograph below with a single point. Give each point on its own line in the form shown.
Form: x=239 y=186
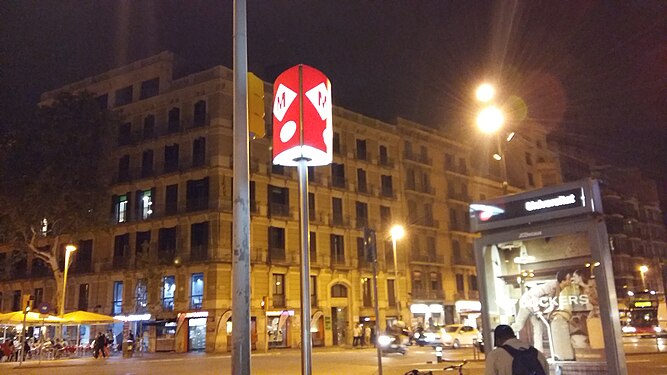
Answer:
x=595 y=71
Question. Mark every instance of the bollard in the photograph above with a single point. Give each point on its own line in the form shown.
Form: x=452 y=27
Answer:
x=438 y=354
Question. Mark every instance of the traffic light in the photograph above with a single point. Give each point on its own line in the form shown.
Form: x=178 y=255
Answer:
x=26 y=302
x=369 y=245
x=256 y=125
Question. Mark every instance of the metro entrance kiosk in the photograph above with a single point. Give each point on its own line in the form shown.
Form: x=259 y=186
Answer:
x=544 y=264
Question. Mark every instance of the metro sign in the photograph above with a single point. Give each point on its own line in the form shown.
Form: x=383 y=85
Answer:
x=302 y=117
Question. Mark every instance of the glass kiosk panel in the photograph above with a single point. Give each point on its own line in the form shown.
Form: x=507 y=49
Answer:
x=545 y=288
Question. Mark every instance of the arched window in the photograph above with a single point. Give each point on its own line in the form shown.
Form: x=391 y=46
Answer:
x=338 y=291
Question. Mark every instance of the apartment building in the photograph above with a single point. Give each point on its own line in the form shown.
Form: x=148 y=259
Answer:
x=166 y=266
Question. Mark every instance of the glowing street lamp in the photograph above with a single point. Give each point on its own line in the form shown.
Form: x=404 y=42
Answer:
x=490 y=119
x=485 y=92
x=69 y=249
x=397 y=232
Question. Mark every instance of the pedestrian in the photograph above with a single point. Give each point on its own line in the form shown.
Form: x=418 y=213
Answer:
x=367 y=336
x=356 y=334
x=513 y=356
x=99 y=346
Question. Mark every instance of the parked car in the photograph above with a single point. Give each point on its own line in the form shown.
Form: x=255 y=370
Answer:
x=458 y=335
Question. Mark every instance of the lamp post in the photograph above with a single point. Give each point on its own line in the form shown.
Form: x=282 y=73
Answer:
x=489 y=120
x=643 y=269
x=69 y=249
x=397 y=232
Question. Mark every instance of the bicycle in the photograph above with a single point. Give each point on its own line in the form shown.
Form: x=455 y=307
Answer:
x=455 y=365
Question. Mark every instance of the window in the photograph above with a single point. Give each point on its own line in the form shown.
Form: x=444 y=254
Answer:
x=168 y=292
x=361 y=181
x=391 y=292
x=336 y=143
x=149 y=127
x=385 y=215
x=435 y=281
x=124 y=96
x=174 y=120
x=171 y=158
x=362 y=214
x=384 y=157
x=199 y=152
x=361 y=251
x=423 y=154
x=366 y=291
x=125 y=134
x=199 y=241
x=339 y=291
x=143 y=244
x=313 y=247
x=171 y=200
x=147 y=163
x=117 y=305
x=38 y=297
x=410 y=179
x=459 y=282
x=276 y=244
x=337 y=175
x=337 y=249
x=121 y=250
x=463 y=169
x=337 y=206
x=197 y=291
x=84 y=291
x=312 y=215
x=278 y=201
x=417 y=281
x=166 y=247
x=278 y=290
x=16 y=301
x=197 y=195
x=124 y=168
x=430 y=249
x=531 y=181
x=472 y=282
x=141 y=296
x=145 y=203
x=456 y=250
x=150 y=88
x=449 y=161
x=387 y=186
x=200 y=113
x=84 y=257
x=361 y=149
x=453 y=219
x=313 y=290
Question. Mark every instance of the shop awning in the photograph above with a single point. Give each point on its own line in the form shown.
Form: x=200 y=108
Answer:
x=17 y=317
x=85 y=317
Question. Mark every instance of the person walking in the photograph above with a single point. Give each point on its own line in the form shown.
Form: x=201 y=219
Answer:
x=99 y=346
x=367 y=336
x=513 y=356
x=356 y=334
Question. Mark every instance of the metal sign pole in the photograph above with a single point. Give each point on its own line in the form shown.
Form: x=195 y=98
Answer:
x=241 y=235
x=377 y=313
x=306 y=342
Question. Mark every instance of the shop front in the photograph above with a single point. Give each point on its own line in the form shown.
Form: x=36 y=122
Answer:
x=469 y=313
x=279 y=328
x=190 y=333
x=317 y=328
x=427 y=315
x=545 y=267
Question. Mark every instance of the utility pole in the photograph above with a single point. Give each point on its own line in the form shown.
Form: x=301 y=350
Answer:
x=241 y=211
x=371 y=256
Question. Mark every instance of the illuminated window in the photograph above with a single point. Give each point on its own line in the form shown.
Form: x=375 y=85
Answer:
x=197 y=291
x=117 y=297
x=146 y=204
x=121 y=209
x=168 y=291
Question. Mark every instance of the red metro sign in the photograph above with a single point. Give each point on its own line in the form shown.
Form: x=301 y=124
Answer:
x=302 y=117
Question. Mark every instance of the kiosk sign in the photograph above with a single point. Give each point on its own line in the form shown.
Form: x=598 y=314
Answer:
x=302 y=117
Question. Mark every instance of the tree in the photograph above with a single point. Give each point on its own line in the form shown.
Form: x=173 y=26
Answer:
x=54 y=179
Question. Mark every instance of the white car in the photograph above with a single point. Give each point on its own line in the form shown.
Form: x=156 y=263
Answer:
x=458 y=335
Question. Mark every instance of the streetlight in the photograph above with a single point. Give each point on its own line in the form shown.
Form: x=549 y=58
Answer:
x=69 y=249
x=397 y=232
x=643 y=269
x=489 y=120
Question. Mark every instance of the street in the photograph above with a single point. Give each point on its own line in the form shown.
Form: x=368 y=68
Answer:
x=327 y=361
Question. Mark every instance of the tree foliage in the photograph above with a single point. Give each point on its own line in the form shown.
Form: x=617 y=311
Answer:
x=56 y=168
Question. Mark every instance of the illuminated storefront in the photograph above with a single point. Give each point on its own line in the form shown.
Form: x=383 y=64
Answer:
x=545 y=269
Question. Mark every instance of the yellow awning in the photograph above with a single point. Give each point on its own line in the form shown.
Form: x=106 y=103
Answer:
x=85 y=317
x=16 y=317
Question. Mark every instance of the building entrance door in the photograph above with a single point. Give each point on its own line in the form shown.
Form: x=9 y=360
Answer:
x=196 y=334
x=339 y=325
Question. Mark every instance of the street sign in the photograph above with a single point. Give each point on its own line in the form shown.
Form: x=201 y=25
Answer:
x=44 y=308
x=302 y=117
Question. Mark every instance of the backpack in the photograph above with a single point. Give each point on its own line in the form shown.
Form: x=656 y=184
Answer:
x=524 y=361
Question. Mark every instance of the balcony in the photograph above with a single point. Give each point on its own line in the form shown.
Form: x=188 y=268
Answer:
x=426 y=222
x=428 y=294
x=463 y=260
x=386 y=162
x=277 y=255
x=338 y=182
x=278 y=210
x=120 y=262
x=419 y=158
x=197 y=204
x=278 y=300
